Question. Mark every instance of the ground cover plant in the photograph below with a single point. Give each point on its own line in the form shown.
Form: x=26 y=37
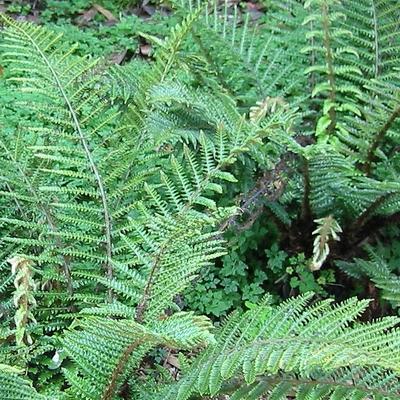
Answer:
x=200 y=202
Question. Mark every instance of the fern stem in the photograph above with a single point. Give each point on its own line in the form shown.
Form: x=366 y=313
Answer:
x=90 y=159
x=17 y=204
x=312 y=60
x=269 y=186
x=142 y=305
x=374 y=224
x=360 y=222
x=378 y=139
x=110 y=390
x=305 y=207
x=375 y=18
x=329 y=61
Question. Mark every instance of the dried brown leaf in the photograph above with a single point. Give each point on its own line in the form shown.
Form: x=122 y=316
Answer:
x=173 y=360
x=117 y=57
x=107 y=14
x=145 y=50
x=87 y=16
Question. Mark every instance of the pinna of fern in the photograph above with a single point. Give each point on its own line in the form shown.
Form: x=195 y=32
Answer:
x=16 y=387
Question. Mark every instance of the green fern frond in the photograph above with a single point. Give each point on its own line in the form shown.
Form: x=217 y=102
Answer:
x=344 y=384
x=292 y=338
x=116 y=347
x=17 y=387
x=65 y=99
x=333 y=65
x=374 y=33
x=379 y=272
x=248 y=60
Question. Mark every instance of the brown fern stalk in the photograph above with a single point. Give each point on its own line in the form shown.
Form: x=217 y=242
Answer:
x=112 y=386
x=142 y=305
x=359 y=224
x=378 y=139
x=306 y=214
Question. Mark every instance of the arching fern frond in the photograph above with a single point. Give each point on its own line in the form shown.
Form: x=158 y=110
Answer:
x=67 y=102
x=375 y=30
x=116 y=347
x=333 y=67
x=376 y=269
x=293 y=338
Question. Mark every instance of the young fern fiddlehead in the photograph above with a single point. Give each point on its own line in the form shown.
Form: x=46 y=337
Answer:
x=328 y=229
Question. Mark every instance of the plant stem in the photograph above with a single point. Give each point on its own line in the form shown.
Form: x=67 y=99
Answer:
x=329 y=61
x=378 y=139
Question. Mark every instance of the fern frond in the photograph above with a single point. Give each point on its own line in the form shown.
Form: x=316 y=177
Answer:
x=379 y=272
x=67 y=106
x=116 y=347
x=327 y=228
x=16 y=387
x=375 y=33
x=291 y=338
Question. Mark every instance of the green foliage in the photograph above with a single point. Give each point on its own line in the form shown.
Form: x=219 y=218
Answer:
x=226 y=166
x=303 y=279
x=65 y=11
x=294 y=339
x=377 y=269
x=116 y=347
x=234 y=280
x=15 y=387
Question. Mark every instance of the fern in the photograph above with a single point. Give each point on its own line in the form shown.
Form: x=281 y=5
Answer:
x=338 y=73
x=295 y=339
x=249 y=61
x=119 y=346
x=118 y=187
x=175 y=202
x=51 y=72
x=378 y=271
x=375 y=33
